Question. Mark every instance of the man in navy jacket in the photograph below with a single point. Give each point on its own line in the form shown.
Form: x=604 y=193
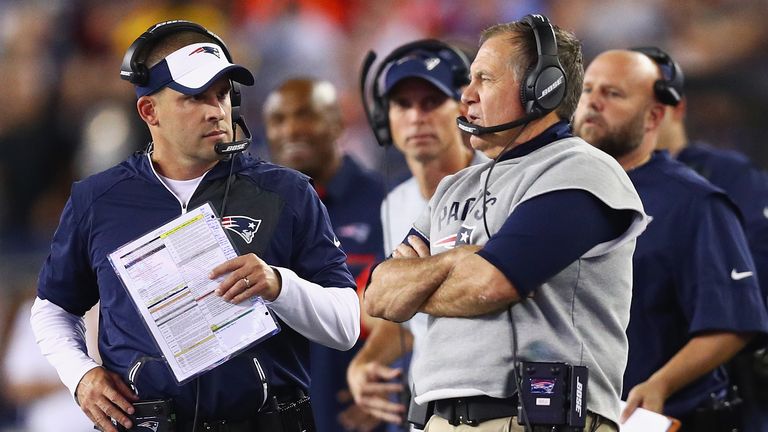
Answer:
x=695 y=295
x=289 y=254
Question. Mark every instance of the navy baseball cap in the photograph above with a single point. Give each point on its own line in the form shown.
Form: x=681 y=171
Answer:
x=425 y=65
x=192 y=69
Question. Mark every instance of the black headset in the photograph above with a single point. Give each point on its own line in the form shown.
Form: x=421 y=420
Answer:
x=544 y=85
x=135 y=71
x=378 y=111
x=668 y=89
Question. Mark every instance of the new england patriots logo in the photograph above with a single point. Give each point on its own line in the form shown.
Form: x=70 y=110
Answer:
x=150 y=425
x=464 y=236
x=243 y=226
x=542 y=386
x=432 y=63
x=207 y=49
x=357 y=231
x=446 y=242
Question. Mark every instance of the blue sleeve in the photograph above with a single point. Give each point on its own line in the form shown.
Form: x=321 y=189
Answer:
x=543 y=235
x=719 y=287
x=750 y=193
x=318 y=256
x=66 y=278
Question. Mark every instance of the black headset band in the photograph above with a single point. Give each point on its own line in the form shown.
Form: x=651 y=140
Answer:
x=135 y=55
x=545 y=84
x=546 y=43
x=661 y=58
x=669 y=89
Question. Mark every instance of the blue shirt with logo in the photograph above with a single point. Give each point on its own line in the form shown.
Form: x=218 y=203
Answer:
x=693 y=274
x=111 y=208
x=747 y=186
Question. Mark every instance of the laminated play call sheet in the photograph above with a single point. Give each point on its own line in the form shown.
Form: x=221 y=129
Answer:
x=166 y=275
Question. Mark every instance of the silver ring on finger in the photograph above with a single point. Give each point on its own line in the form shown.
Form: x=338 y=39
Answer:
x=247 y=282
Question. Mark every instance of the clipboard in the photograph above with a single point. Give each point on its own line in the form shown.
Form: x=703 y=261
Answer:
x=643 y=420
x=165 y=273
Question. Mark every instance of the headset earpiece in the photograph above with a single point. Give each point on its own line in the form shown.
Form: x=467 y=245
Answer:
x=381 y=122
x=132 y=70
x=544 y=85
x=668 y=89
x=665 y=93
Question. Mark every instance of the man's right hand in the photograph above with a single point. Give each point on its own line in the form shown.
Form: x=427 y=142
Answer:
x=102 y=394
x=370 y=386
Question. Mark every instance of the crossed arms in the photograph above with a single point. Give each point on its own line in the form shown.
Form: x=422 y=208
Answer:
x=456 y=283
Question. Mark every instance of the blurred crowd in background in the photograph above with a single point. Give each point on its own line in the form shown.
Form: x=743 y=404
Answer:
x=66 y=114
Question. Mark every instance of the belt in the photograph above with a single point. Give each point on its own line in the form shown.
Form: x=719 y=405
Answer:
x=474 y=410
x=286 y=411
x=224 y=426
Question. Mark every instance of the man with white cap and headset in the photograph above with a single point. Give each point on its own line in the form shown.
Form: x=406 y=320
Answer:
x=184 y=79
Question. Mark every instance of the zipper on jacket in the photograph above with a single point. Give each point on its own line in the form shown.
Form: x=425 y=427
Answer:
x=182 y=204
x=264 y=383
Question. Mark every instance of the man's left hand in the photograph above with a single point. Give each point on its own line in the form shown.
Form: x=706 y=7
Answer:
x=247 y=276
x=416 y=248
x=649 y=395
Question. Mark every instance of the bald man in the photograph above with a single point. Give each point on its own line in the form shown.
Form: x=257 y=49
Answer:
x=695 y=299
x=303 y=124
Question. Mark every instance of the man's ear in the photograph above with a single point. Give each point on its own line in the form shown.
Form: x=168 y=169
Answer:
x=656 y=115
x=146 y=107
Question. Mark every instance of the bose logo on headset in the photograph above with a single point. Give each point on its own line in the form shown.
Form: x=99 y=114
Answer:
x=554 y=85
x=546 y=78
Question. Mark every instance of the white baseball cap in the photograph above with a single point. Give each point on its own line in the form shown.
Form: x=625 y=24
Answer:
x=192 y=69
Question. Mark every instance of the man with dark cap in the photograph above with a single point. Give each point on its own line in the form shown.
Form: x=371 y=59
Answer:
x=422 y=89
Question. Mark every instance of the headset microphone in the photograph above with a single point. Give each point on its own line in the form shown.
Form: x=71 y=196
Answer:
x=476 y=130
x=235 y=146
x=228 y=148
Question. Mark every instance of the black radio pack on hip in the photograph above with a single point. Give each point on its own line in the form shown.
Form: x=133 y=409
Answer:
x=151 y=416
x=418 y=415
x=553 y=394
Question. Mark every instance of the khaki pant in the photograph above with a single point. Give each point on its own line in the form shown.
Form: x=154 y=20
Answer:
x=506 y=424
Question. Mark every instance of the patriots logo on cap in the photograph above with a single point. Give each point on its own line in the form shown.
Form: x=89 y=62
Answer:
x=464 y=236
x=243 y=226
x=432 y=63
x=207 y=49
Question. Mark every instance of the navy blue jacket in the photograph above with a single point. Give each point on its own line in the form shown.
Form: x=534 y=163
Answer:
x=114 y=207
x=692 y=273
x=747 y=186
